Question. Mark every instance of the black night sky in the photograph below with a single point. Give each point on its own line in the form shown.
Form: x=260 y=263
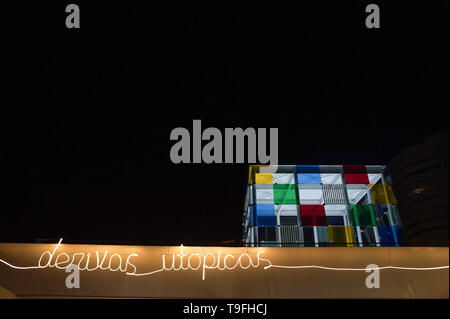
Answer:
x=85 y=137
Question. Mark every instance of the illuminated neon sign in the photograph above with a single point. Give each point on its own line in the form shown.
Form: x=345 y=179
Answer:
x=177 y=262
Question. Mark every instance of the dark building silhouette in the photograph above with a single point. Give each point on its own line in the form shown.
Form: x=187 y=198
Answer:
x=420 y=180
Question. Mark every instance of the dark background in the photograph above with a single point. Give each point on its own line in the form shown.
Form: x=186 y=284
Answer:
x=88 y=114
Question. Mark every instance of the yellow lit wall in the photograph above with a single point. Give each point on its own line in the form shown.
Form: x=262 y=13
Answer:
x=254 y=282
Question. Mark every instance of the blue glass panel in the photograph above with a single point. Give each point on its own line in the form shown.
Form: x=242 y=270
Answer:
x=252 y=215
x=386 y=235
x=309 y=178
x=308 y=174
x=265 y=215
x=398 y=235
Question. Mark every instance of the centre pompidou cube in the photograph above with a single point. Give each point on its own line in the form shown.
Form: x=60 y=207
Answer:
x=320 y=205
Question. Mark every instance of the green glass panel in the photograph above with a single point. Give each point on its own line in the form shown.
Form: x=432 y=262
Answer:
x=363 y=215
x=285 y=194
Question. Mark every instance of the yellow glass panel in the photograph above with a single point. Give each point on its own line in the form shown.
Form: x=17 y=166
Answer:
x=254 y=169
x=333 y=234
x=383 y=194
x=378 y=194
x=349 y=235
x=263 y=178
x=342 y=235
x=390 y=194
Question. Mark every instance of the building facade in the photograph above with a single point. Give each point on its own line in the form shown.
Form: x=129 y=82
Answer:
x=320 y=205
x=420 y=174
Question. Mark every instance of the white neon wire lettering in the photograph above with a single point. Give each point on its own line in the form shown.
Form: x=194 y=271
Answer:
x=202 y=262
x=356 y=269
x=18 y=267
x=57 y=258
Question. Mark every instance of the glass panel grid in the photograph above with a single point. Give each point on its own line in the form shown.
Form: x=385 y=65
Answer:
x=324 y=205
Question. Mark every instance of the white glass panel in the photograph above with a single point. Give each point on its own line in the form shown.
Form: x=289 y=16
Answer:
x=283 y=179
x=286 y=210
x=264 y=194
x=358 y=194
x=310 y=194
x=335 y=210
x=331 y=178
x=374 y=178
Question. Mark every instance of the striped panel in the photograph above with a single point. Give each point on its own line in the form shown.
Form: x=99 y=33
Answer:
x=289 y=235
x=333 y=194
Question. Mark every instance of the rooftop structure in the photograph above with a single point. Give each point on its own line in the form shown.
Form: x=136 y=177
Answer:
x=320 y=205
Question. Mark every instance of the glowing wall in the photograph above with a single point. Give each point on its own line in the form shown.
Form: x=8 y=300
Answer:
x=338 y=279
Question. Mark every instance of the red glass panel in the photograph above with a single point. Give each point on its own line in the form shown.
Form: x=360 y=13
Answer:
x=313 y=215
x=355 y=174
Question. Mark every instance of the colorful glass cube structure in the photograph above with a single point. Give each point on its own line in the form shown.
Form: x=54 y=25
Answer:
x=320 y=205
